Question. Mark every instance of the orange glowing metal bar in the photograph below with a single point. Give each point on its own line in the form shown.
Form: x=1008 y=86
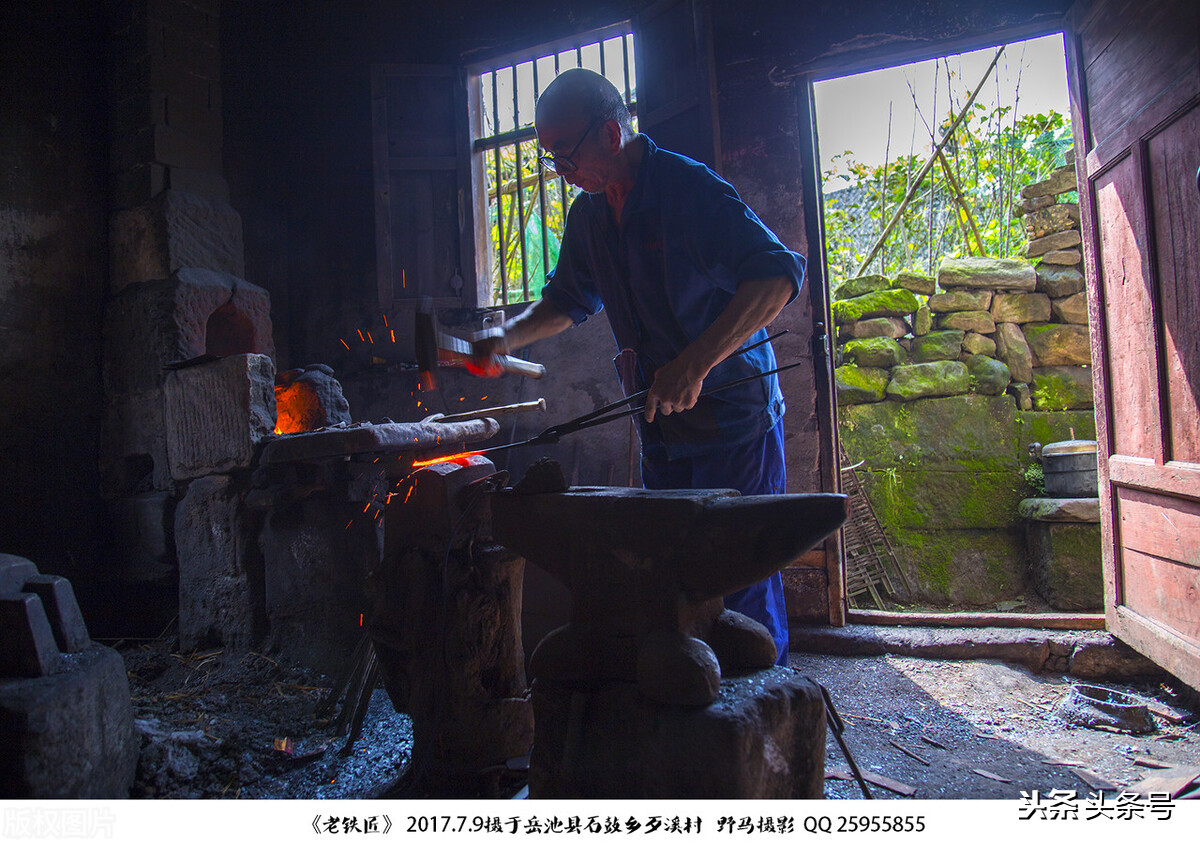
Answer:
x=344 y=344
x=457 y=458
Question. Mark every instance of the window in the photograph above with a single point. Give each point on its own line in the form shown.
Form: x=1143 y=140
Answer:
x=526 y=207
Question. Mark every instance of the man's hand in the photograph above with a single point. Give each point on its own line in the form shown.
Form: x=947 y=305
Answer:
x=676 y=387
x=486 y=350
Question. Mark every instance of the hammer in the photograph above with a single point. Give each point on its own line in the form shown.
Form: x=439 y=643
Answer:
x=435 y=348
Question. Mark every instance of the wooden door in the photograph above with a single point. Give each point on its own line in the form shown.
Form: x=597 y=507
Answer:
x=1136 y=112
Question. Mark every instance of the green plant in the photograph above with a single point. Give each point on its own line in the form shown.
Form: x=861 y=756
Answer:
x=1035 y=477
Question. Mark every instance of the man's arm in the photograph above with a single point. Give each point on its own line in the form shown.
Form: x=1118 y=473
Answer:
x=540 y=320
x=756 y=303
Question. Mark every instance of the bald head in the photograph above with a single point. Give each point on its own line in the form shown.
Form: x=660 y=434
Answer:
x=579 y=95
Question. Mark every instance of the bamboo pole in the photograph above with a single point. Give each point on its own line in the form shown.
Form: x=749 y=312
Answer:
x=929 y=165
x=961 y=199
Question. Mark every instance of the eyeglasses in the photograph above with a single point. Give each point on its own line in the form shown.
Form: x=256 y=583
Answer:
x=565 y=164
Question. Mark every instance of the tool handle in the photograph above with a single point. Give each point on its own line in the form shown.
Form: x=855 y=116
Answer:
x=519 y=365
x=496 y=411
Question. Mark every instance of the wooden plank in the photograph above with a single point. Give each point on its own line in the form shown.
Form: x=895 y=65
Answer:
x=1159 y=525
x=1165 y=591
x=1070 y=622
x=1135 y=423
x=1175 y=478
x=1173 y=157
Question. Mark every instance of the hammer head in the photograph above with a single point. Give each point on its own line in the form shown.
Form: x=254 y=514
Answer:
x=425 y=337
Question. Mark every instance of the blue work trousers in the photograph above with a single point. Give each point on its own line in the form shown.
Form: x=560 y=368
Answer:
x=754 y=468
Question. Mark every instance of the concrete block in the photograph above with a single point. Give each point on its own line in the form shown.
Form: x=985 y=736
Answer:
x=14 y=572
x=30 y=649
x=69 y=735
x=220 y=569
x=763 y=738
x=66 y=620
x=216 y=414
x=175 y=230
x=149 y=325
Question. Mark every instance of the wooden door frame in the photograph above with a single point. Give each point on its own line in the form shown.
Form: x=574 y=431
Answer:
x=806 y=76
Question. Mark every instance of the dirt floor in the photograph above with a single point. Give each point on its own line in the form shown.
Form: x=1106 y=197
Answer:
x=214 y=725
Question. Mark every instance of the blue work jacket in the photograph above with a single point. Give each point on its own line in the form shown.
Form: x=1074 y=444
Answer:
x=685 y=243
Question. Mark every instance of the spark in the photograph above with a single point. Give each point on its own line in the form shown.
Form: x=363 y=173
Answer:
x=459 y=458
x=403 y=280
x=483 y=397
x=360 y=335
x=360 y=619
x=407 y=495
x=369 y=338
x=385 y=321
x=366 y=508
x=344 y=344
x=393 y=331
x=351 y=520
x=462 y=399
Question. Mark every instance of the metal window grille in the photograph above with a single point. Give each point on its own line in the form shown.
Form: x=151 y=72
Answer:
x=526 y=205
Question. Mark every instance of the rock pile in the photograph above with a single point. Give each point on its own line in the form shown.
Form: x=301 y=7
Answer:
x=984 y=325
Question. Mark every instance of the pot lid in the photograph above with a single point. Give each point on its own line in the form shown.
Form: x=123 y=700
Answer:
x=1068 y=448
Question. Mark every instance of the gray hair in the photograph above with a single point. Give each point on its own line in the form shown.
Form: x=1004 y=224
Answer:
x=581 y=93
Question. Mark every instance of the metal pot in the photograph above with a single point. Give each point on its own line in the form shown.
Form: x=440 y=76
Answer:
x=1069 y=468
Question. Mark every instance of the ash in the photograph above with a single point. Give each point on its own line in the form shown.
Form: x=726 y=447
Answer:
x=215 y=724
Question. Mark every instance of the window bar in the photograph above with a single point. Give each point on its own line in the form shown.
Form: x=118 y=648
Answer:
x=541 y=181
x=562 y=183
x=602 y=73
x=625 y=58
x=499 y=194
x=520 y=233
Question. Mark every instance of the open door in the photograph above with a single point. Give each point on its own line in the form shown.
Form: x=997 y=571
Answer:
x=1136 y=111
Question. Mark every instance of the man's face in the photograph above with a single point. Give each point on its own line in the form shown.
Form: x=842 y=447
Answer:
x=578 y=141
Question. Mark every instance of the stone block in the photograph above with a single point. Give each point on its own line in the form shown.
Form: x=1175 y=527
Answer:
x=1055 y=280
x=874 y=352
x=969 y=321
x=1064 y=561
x=149 y=325
x=1063 y=257
x=1020 y=308
x=1061 y=180
x=987 y=273
x=917 y=498
x=918 y=283
x=309 y=398
x=14 y=572
x=66 y=620
x=894 y=302
x=879 y=327
x=173 y=231
x=1046 y=427
x=1072 y=309
x=860 y=384
x=216 y=414
x=1054 y=241
x=1013 y=350
x=1032 y=204
x=69 y=735
x=987 y=375
x=143 y=536
x=1062 y=388
x=1052 y=510
x=860 y=285
x=220 y=567
x=30 y=649
x=1020 y=392
x=960 y=301
x=133 y=445
x=971 y=568
x=763 y=738
x=938 y=346
x=951 y=433
x=922 y=321
x=977 y=344
x=1058 y=343
x=1053 y=218
x=936 y=379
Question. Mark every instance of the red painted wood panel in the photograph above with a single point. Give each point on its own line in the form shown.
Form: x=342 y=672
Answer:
x=1162 y=526
x=1174 y=157
x=1164 y=592
x=1129 y=315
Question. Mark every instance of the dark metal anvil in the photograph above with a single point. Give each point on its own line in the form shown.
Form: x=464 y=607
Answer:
x=647 y=571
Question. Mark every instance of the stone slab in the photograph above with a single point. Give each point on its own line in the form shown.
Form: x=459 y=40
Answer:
x=1064 y=559
x=1054 y=241
x=874 y=352
x=1063 y=257
x=1061 y=180
x=977 y=344
x=175 y=230
x=879 y=327
x=1052 y=510
x=960 y=301
x=30 y=649
x=914 y=497
x=368 y=438
x=987 y=273
x=918 y=283
x=14 y=571
x=1020 y=308
x=860 y=384
x=1058 y=343
x=1055 y=280
x=935 y=379
x=969 y=321
x=66 y=620
x=762 y=738
x=1062 y=388
x=988 y=376
x=893 y=302
x=1013 y=349
x=938 y=346
x=69 y=735
x=1072 y=309
x=217 y=414
x=860 y=285
x=971 y=568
